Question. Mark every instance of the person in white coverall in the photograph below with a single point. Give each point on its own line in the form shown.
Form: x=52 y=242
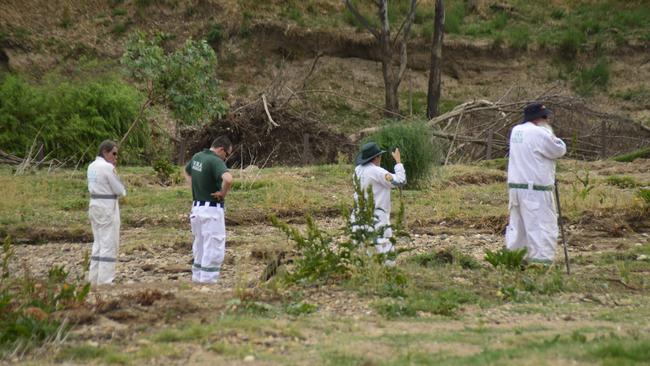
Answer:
x=370 y=173
x=211 y=182
x=105 y=188
x=531 y=181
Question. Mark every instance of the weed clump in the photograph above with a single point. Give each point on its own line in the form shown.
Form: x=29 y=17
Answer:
x=621 y=181
x=29 y=307
x=509 y=259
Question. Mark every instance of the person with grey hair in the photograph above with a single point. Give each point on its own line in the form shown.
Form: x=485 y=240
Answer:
x=105 y=188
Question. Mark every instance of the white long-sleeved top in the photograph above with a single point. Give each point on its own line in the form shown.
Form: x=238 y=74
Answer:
x=381 y=181
x=102 y=178
x=533 y=151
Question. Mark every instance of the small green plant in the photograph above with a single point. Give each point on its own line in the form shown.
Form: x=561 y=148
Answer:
x=454 y=17
x=596 y=76
x=583 y=186
x=215 y=34
x=300 y=308
x=644 y=194
x=166 y=172
x=28 y=306
x=509 y=259
x=621 y=181
x=643 y=153
x=118 y=12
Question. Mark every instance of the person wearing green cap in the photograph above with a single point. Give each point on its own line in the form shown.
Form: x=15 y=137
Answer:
x=370 y=173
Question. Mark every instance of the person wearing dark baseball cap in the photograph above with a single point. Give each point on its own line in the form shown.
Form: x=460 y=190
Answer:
x=534 y=150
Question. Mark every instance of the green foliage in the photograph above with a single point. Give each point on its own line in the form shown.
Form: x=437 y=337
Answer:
x=637 y=95
x=445 y=302
x=445 y=256
x=509 y=259
x=583 y=185
x=621 y=181
x=454 y=16
x=644 y=194
x=215 y=34
x=519 y=37
x=596 y=76
x=623 y=351
x=414 y=140
x=570 y=43
x=643 y=153
x=184 y=80
x=166 y=172
x=319 y=259
x=324 y=257
x=27 y=306
x=300 y=308
x=117 y=12
x=70 y=119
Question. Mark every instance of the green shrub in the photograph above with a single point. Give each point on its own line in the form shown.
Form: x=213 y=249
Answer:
x=623 y=352
x=27 y=305
x=510 y=259
x=215 y=35
x=300 y=308
x=643 y=153
x=419 y=154
x=621 y=181
x=119 y=12
x=324 y=256
x=570 y=43
x=70 y=119
x=644 y=193
x=596 y=76
x=454 y=16
x=518 y=37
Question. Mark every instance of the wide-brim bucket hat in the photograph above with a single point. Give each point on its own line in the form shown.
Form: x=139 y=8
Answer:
x=368 y=152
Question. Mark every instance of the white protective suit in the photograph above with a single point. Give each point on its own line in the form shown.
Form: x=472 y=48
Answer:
x=104 y=212
x=209 y=246
x=381 y=181
x=531 y=180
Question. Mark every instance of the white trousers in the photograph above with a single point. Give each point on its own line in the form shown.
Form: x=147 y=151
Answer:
x=209 y=248
x=383 y=244
x=105 y=222
x=533 y=224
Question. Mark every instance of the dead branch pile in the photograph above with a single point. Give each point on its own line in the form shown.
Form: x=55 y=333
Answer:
x=267 y=134
x=270 y=131
x=480 y=129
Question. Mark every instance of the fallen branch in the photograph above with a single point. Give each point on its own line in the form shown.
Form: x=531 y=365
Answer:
x=268 y=114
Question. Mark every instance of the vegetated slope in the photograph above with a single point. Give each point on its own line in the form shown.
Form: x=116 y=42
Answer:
x=487 y=50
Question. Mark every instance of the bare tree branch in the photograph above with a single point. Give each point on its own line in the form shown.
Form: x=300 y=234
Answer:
x=361 y=18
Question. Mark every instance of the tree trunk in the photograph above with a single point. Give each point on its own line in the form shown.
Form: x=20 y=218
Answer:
x=433 y=94
x=390 y=84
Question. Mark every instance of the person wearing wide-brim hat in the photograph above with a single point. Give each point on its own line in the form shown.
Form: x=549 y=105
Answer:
x=370 y=173
x=531 y=180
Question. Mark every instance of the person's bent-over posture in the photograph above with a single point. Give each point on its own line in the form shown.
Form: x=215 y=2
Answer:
x=370 y=173
x=211 y=182
x=531 y=180
x=104 y=212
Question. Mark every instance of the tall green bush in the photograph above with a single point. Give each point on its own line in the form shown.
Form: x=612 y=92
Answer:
x=414 y=140
x=69 y=119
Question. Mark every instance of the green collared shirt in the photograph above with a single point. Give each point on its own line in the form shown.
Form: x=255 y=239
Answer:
x=206 y=169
